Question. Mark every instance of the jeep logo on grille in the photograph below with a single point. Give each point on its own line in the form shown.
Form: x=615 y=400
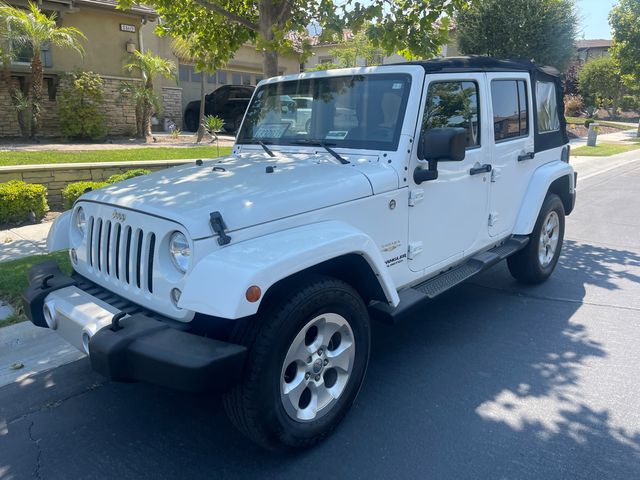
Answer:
x=120 y=217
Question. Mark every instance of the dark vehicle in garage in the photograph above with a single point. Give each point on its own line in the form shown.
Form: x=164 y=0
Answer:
x=227 y=102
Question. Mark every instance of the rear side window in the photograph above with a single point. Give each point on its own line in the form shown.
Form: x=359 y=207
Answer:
x=510 y=109
x=454 y=105
x=547 y=107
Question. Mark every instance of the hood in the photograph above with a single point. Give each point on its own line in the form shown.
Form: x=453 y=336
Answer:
x=241 y=189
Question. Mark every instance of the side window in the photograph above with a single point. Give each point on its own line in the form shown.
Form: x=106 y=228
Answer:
x=547 y=107
x=510 y=109
x=455 y=105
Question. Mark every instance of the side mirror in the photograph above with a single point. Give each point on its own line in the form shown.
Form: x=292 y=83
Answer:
x=439 y=145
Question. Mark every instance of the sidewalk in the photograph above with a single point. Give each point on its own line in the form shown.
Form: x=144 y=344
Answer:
x=163 y=140
x=23 y=241
x=623 y=136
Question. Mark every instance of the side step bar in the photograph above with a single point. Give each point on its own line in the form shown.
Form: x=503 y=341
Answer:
x=430 y=289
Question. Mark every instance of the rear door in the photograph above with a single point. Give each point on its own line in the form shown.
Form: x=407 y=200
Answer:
x=512 y=145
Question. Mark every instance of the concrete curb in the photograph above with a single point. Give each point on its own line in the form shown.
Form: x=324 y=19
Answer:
x=37 y=349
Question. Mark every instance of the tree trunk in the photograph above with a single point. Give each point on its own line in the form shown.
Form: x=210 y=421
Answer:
x=268 y=15
x=146 y=121
x=202 y=100
x=139 y=121
x=35 y=93
x=270 y=64
x=638 y=132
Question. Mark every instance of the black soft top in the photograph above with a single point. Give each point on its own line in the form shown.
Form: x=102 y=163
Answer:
x=478 y=64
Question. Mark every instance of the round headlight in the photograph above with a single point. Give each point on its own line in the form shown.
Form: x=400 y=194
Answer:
x=81 y=220
x=179 y=251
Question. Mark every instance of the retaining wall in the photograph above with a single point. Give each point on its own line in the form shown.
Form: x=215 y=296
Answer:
x=56 y=177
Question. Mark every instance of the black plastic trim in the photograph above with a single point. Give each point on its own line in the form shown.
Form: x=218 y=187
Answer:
x=44 y=278
x=143 y=349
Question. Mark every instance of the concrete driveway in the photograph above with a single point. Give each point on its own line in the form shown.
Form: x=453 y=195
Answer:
x=494 y=380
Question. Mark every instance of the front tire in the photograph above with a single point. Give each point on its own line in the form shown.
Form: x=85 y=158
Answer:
x=308 y=354
x=537 y=261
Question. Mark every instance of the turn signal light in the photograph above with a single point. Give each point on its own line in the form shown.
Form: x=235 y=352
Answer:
x=253 y=293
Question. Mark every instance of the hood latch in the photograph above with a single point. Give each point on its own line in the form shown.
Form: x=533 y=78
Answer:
x=218 y=226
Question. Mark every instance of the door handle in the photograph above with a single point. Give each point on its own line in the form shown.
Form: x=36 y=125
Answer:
x=481 y=169
x=526 y=156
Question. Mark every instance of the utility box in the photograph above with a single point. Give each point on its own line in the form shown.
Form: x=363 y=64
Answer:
x=592 y=136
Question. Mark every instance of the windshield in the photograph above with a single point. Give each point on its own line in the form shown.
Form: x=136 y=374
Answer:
x=355 y=111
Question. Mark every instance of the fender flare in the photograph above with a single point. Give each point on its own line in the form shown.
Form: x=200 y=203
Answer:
x=539 y=185
x=58 y=236
x=217 y=284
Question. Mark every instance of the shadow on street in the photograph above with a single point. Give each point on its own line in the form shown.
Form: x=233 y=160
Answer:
x=486 y=382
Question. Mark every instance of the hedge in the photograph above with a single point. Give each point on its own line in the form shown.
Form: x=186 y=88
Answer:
x=73 y=191
x=21 y=202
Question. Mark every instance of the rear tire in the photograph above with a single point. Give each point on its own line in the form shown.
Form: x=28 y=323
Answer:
x=536 y=262
x=284 y=402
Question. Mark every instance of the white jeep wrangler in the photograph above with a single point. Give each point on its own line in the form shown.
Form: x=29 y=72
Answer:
x=258 y=273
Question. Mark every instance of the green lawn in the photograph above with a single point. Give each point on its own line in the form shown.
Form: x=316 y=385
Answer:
x=13 y=279
x=603 y=150
x=580 y=121
x=114 y=155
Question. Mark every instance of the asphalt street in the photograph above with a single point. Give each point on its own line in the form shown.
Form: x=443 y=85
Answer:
x=492 y=381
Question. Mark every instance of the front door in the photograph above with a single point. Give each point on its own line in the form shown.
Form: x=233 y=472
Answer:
x=449 y=214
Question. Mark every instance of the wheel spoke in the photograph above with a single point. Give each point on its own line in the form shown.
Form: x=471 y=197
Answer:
x=295 y=389
x=341 y=358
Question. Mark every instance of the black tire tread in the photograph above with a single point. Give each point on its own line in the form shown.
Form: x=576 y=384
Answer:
x=239 y=400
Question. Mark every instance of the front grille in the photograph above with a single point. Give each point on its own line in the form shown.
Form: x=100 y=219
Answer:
x=122 y=252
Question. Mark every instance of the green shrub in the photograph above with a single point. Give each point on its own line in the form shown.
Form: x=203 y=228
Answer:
x=73 y=191
x=20 y=202
x=629 y=103
x=81 y=106
x=127 y=175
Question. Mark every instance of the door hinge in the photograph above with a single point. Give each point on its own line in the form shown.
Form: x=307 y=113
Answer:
x=416 y=196
x=493 y=218
x=495 y=175
x=415 y=249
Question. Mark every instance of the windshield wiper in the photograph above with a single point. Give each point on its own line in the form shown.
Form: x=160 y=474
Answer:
x=320 y=143
x=262 y=144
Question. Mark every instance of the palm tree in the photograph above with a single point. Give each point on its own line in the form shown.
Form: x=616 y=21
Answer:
x=149 y=66
x=205 y=64
x=31 y=28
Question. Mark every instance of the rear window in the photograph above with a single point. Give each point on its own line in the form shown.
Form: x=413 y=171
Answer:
x=510 y=109
x=547 y=107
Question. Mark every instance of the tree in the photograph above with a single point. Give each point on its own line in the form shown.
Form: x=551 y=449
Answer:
x=149 y=66
x=600 y=84
x=208 y=48
x=33 y=29
x=279 y=26
x=625 y=24
x=540 y=30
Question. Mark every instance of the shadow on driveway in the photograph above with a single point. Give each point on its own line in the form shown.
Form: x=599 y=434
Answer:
x=493 y=380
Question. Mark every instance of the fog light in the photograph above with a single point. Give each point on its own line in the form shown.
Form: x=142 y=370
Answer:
x=175 y=296
x=50 y=316
x=74 y=256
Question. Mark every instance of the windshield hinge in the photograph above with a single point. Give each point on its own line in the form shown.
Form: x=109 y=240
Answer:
x=218 y=226
x=415 y=249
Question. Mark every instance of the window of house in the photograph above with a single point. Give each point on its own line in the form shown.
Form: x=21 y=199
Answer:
x=454 y=105
x=510 y=110
x=222 y=77
x=246 y=79
x=184 y=72
x=547 y=107
x=196 y=77
x=259 y=78
x=236 y=78
x=211 y=79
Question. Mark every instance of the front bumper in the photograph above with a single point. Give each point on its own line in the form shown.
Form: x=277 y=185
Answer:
x=139 y=347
